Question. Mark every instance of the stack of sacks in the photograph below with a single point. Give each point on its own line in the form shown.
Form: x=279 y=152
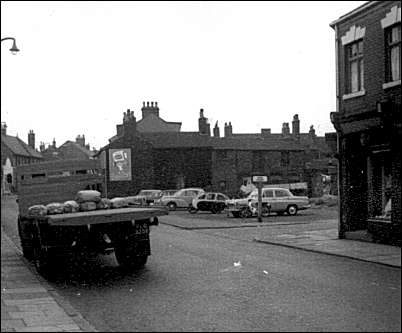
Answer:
x=118 y=203
x=71 y=206
x=88 y=199
x=37 y=210
x=103 y=204
x=55 y=208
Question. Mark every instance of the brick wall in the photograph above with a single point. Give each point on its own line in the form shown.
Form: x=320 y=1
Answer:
x=374 y=60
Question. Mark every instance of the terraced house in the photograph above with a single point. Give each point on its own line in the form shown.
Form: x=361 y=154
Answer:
x=368 y=119
x=164 y=157
x=15 y=152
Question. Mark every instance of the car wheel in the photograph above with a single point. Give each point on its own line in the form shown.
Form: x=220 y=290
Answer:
x=192 y=210
x=172 y=206
x=236 y=214
x=292 y=210
x=246 y=212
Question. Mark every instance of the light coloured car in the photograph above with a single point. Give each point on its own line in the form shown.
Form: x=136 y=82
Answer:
x=145 y=197
x=181 y=199
x=280 y=201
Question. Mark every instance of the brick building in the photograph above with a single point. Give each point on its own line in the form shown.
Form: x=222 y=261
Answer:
x=15 y=152
x=168 y=158
x=368 y=119
x=77 y=149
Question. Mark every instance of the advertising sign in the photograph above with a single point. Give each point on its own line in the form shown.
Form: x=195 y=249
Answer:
x=120 y=164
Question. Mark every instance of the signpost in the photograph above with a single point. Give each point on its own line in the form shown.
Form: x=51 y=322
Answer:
x=259 y=180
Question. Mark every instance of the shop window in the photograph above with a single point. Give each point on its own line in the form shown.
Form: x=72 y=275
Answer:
x=382 y=188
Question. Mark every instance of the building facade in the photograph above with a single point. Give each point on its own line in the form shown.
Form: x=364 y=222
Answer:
x=171 y=159
x=368 y=119
x=15 y=152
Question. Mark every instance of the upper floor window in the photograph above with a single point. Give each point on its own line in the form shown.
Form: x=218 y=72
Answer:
x=354 y=67
x=393 y=53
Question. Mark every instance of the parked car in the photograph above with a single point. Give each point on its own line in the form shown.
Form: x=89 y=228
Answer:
x=182 y=198
x=210 y=201
x=280 y=200
x=145 y=197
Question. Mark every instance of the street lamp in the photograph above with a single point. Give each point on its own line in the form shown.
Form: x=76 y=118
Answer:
x=14 y=49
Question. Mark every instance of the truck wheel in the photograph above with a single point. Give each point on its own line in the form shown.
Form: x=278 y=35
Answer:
x=25 y=240
x=292 y=210
x=129 y=260
x=172 y=206
x=42 y=262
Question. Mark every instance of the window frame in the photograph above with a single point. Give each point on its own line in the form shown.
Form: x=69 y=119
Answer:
x=389 y=45
x=350 y=59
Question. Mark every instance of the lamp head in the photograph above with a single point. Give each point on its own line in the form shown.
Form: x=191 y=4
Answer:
x=14 y=49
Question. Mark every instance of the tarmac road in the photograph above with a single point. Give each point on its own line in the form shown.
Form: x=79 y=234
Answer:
x=197 y=281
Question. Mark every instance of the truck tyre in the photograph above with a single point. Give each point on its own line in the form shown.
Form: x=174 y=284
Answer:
x=292 y=210
x=42 y=261
x=172 y=206
x=25 y=240
x=128 y=259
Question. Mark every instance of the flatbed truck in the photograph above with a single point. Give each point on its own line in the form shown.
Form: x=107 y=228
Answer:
x=44 y=238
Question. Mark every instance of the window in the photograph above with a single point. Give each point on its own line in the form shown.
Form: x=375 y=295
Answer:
x=221 y=197
x=268 y=194
x=281 y=193
x=284 y=159
x=393 y=53
x=211 y=196
x=354 y=67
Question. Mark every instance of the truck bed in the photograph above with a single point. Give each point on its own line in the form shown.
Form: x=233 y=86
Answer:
x=100 y=216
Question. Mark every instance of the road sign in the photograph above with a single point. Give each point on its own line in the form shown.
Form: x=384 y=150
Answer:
x=262 y=179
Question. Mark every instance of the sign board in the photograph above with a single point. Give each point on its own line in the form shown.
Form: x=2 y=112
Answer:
x=262 y=179
x=120 y=164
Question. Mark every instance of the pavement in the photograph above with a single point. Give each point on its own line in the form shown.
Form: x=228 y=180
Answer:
x=30 y=304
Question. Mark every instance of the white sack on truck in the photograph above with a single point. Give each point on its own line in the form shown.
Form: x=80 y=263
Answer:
x=118 y=203
x=55 y=208
x=103 y=204
x=87 y=206
x=87 y=196
x=37 y=210
x=71 y=206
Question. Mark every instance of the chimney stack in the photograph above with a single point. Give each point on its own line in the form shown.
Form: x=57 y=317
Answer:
x=203 y=126
x=80 y=140
x=42 y=146
x=150 y=109
x=216 y=130
x=265 y=132
x=285 y=129
x=228 y=129
x=296 y=126
x=54 y=143
x=129 y=123
x=31 y=139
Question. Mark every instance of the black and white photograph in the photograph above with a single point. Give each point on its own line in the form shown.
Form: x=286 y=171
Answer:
x=201 y=166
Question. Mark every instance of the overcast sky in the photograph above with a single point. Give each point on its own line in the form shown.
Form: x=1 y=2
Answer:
x=82 y=64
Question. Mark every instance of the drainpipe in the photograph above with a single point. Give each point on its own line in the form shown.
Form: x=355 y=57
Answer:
x=341 y=229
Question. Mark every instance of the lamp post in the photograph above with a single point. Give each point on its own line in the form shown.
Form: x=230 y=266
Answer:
x=14 y=49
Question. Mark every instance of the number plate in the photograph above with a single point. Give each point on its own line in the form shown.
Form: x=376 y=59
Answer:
x=141 y=228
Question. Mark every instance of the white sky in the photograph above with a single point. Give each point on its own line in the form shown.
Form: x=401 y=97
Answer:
x=82 y=64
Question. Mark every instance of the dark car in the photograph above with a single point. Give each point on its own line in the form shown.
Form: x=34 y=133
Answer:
x=213 y=202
